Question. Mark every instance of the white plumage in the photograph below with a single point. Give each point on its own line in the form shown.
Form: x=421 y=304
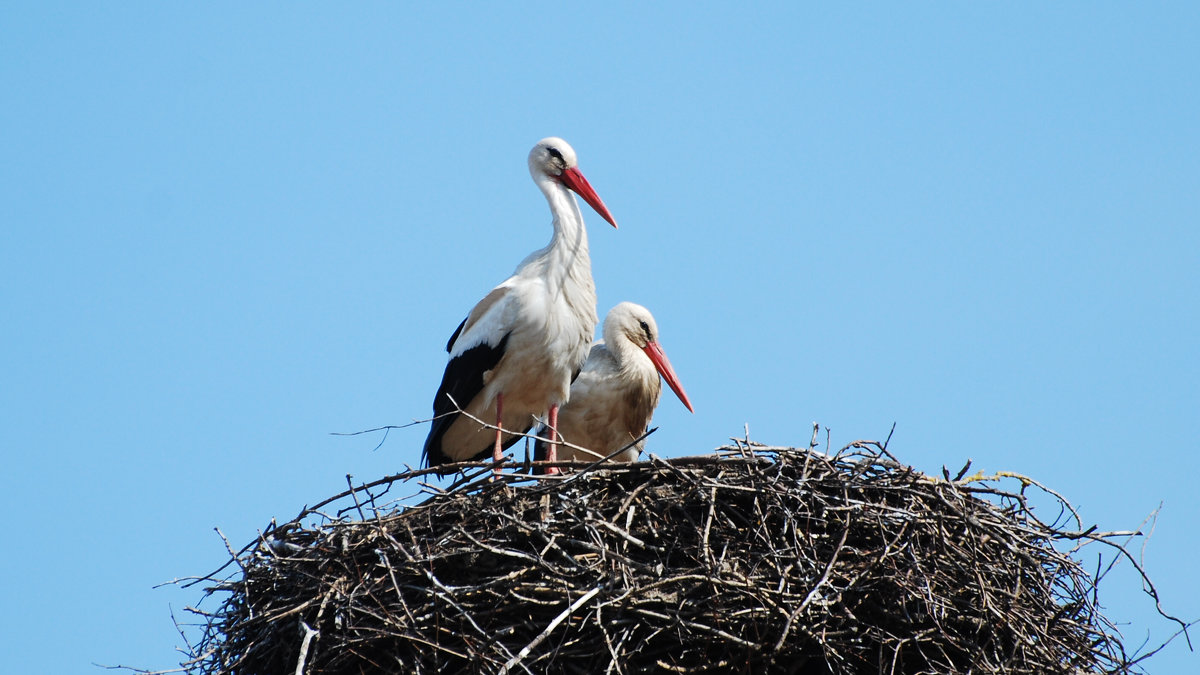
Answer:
x=520 y=347
x=614 y=397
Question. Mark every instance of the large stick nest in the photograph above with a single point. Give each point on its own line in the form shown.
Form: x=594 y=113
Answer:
x=755 y=559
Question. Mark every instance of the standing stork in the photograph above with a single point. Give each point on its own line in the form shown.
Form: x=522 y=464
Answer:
x=618 y=389
x=513 y=358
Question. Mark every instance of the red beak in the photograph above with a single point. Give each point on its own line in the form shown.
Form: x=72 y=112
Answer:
x=575 y=181
x=663 y=366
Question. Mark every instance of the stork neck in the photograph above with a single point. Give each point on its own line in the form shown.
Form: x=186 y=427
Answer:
x=569 y=245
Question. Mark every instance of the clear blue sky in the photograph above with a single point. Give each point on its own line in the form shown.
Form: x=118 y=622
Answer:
x=229 y=231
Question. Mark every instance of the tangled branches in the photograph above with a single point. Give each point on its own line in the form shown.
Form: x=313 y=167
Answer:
x=756 y=559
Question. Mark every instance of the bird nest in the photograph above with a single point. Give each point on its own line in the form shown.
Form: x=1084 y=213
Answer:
x=755 y=559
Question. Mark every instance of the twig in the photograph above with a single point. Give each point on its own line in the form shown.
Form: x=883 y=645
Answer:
x=549 y=629
x=309 y=635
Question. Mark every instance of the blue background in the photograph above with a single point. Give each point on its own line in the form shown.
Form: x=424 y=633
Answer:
x=228 y=231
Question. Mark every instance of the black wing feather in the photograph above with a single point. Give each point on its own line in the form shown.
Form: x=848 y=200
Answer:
x=450 y=343
x=461 y=383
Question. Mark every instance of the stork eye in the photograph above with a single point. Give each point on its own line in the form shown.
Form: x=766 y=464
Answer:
x=555 y=153
x=646 y=330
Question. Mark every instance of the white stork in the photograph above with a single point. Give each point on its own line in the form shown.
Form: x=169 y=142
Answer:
x=513 y=358
x=618 y=389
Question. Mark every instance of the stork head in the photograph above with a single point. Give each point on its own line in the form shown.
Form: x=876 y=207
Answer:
x=631 y=322
x=554 y=158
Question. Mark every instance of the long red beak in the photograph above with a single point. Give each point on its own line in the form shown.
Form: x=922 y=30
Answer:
x=663 y=365
x=574 y=180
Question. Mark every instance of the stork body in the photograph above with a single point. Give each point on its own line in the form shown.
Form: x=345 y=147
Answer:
x=514 y=356
x=614 y=397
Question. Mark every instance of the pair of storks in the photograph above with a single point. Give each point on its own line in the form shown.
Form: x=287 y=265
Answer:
x=522 y=354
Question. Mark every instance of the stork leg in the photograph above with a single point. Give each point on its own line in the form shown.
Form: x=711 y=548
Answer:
x=552 y=449
x=498 y=450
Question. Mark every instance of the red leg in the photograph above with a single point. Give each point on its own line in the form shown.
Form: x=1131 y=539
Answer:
x=498 y=451
x=552 y=450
